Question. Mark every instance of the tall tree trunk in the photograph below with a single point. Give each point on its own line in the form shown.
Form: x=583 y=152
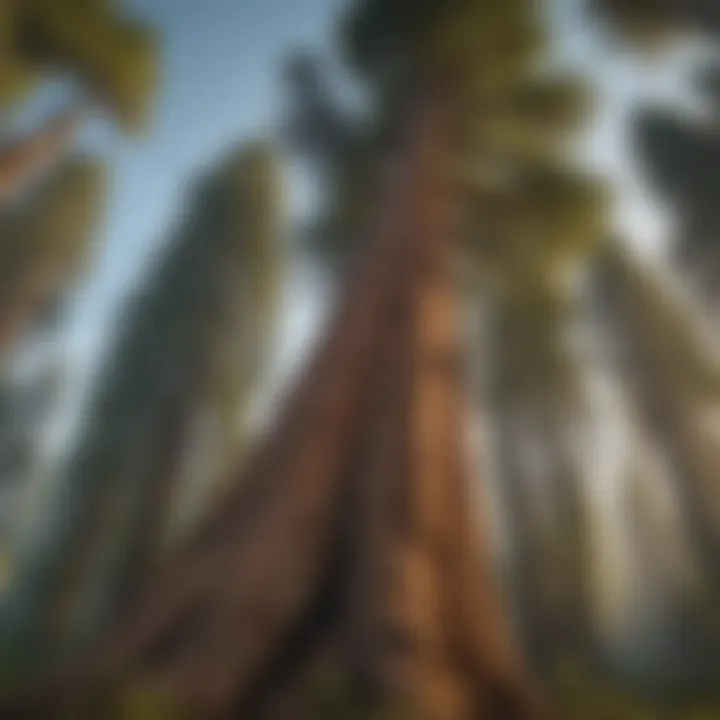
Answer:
x=352 y=534
x=549 y=545
x=663 y=364
x=433 y=635
x=539 y=402
x=126 y=550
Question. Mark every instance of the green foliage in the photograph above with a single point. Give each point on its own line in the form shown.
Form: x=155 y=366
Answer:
x=578 y=693
x=668 y=331
x=137 y=703
x=530 y=119
x=531 y=216
x=16 y=77
x=114 y=60
x=114 y=57
x=543 y=216
x=564 y=210
x=472 y=41
x=531 y=325
x=547 y=220
x=44 y=241
x=332 y=696
x=557 y=102
x=72 y=203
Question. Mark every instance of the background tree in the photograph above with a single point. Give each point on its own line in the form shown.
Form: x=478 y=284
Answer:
x=52 y=204
x=670 y=359
x=111 y=56
x=26 y=406
x=46 y=242
x=671 y=374
x=194 y=342
x=112 y=60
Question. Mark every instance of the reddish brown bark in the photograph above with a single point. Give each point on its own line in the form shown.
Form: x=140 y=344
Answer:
x=350 y=542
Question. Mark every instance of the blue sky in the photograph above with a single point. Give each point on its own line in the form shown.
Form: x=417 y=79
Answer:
x=220 y=84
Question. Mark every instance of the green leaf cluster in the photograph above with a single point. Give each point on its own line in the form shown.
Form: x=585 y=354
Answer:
x=113 y=57
x=45 y=240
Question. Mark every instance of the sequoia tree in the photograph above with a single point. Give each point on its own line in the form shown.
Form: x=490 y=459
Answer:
x=669 y=359
x=111 y=60
x=191 y=347
x=347 y=563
